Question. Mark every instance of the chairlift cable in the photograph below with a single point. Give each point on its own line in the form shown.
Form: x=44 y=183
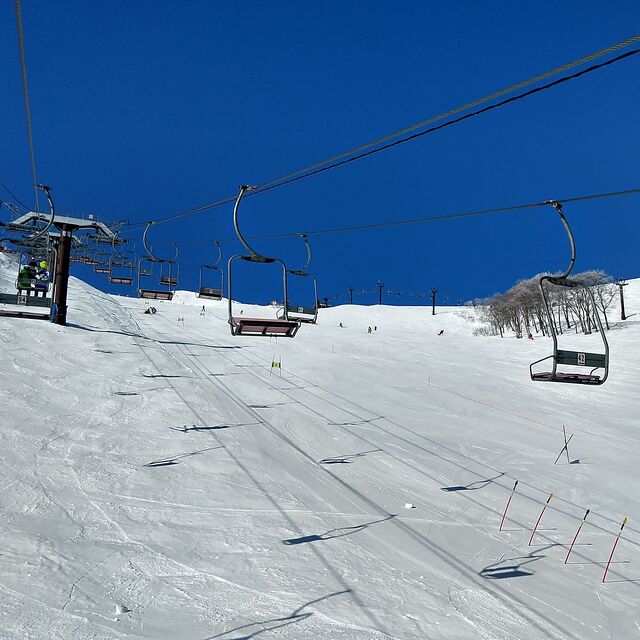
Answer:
x=13 y=195
x=366 y=150
x=25 y=88
x=451 y=216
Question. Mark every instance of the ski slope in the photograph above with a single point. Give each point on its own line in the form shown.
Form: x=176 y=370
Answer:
x=157 y=480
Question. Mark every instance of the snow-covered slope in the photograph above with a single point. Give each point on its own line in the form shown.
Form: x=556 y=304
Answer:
x=158 y=480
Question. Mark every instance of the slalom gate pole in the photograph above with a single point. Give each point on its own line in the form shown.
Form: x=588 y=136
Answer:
x=615 y=544
x=533 y=533
x=504 y=515
x=576 y=536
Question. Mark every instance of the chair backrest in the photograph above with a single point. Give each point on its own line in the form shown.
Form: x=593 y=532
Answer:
x=308 y=311
x=581 y=359
x=209 y=292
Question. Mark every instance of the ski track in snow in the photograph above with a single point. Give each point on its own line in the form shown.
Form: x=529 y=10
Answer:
x=157 y=481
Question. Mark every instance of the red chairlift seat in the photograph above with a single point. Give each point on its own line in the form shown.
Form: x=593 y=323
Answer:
x=270 y=327
x=153 y=294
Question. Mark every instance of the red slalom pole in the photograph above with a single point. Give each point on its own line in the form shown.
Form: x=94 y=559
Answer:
x=504 y=515
x=576 y=536
x=533 y=533
x=615 y=544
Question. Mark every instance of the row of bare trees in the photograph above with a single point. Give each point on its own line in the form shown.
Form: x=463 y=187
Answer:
x=521 y=309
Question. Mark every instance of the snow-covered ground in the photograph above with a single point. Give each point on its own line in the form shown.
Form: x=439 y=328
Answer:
x=157 y=480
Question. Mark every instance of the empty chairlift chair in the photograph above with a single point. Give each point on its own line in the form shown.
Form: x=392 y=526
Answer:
x=120 y=267
x=146 y=268
x=211 y=293
x=245 y=326
x=305 y=315
x=169 y=276
x=563 y=357
x=102 y=268
x=121 y=270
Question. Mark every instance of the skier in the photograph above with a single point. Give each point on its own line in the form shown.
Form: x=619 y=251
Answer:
x=369 y=331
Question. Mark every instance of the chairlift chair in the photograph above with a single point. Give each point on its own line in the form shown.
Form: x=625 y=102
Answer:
x=212 y=293
x=115 y=278
x=145 y=270
x=564 y=357
x=246 y=326
x=33 y=289
x=306 y=315
x=169 y=278
x=102 y=268
x=117 y=261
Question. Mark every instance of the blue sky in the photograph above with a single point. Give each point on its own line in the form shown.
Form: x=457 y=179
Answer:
x=144 y=109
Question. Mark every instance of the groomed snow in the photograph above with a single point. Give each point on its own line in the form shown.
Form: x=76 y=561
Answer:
x=157 y=480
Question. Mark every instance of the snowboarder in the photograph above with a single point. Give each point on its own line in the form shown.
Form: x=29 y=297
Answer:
x=441 y=332
x=341 y=326
x=369 y=331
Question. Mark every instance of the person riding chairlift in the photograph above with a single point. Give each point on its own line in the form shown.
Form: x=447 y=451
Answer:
x=24 y=277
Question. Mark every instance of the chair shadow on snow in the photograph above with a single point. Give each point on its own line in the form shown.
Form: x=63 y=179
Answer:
x=501 y=571
x=472 y=486
x=129 y=334
x=162 y=375
x=274 y=623
x=347 y=459
x=355 y=422
x=335 y=533
x=269 y=406
x=171 y=460
x=198 y=344
x=212 y=427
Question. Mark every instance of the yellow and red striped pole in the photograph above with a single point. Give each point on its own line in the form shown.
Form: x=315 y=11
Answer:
x=533 y=533
x=576 y=536
x=615 y=544
x=504 y=515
